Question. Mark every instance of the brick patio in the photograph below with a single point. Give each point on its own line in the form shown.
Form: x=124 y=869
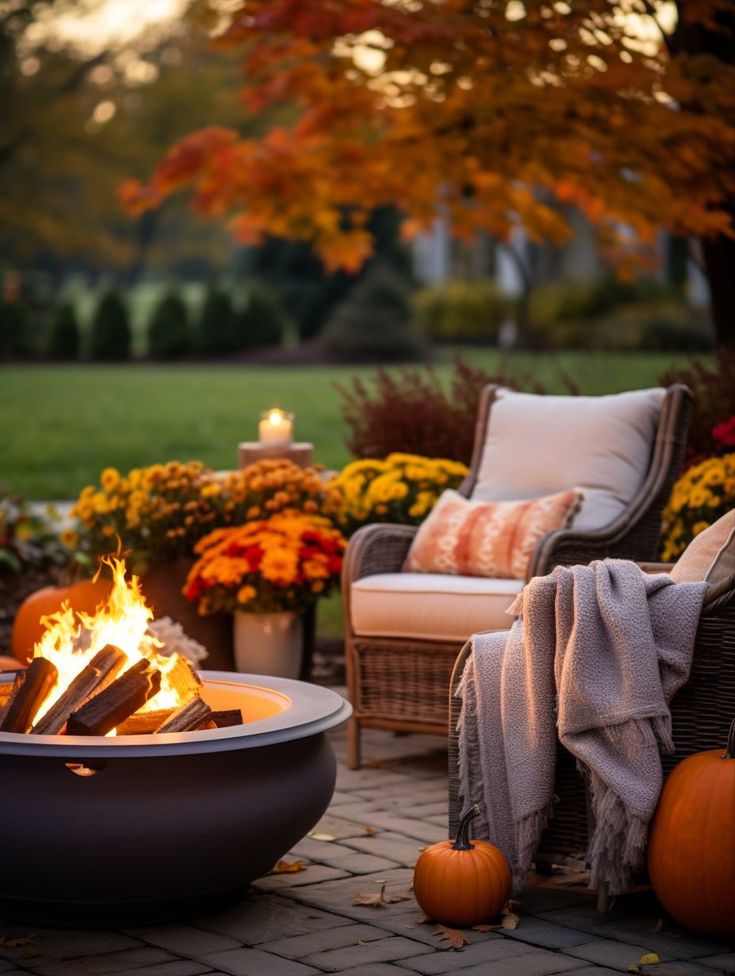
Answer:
x=302 y=923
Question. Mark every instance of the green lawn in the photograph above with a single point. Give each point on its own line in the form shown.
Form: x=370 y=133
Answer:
x=61 y=424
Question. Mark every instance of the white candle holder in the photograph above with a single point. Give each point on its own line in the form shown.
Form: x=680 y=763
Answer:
x=275 y=427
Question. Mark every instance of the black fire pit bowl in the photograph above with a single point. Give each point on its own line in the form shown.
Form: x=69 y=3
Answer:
x=149 y=828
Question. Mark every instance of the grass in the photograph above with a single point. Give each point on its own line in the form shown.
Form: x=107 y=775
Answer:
x=62 y=424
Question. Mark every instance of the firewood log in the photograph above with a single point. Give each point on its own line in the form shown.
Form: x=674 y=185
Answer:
x=110 y=660
x=227 y=717
x=118 y=701
x=187 y=717
x=144 y=723
x=31 y=688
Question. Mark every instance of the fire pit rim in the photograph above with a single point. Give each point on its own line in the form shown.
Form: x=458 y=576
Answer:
x=313 y=709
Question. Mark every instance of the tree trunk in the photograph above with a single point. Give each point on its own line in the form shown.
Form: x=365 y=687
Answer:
x=719 y=264
x=718 y=252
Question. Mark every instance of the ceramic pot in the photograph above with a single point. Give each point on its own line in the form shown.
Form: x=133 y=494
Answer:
x=162 y=586
x=269 y=643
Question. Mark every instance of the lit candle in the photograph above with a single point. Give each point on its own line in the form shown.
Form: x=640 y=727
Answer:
x=275 y=427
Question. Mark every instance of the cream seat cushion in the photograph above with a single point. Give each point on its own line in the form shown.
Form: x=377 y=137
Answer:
x=430 y=606
x=539 y=445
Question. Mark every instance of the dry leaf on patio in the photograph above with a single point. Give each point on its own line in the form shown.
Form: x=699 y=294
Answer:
x=658 y=926
x=485 y=928
x=649 y=959
x=14 y=943
x=423 y=919
x=451 y=938
x=634 y=969
x=369 y=831
x=510 y=921
x=378 y=899
x=290 y=867
x=375 y=763
x=325 y=837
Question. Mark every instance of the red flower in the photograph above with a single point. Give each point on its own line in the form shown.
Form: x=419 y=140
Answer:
x=724 y=433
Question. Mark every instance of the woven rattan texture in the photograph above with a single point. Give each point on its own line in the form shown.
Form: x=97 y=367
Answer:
x=399 y=680
x=701 y=715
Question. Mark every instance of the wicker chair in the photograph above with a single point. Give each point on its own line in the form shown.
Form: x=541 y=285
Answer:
x=401 y=683
x=701 y=715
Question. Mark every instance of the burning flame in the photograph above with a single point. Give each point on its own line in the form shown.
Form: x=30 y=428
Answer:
x=72 y=639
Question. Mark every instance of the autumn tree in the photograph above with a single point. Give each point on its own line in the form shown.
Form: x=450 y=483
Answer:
x=82 y=109
x=504 y=112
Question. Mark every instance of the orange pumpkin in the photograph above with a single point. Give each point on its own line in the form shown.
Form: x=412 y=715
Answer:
x=10 y=663
x=85 y=595
x=462 y=882
x=691 y=847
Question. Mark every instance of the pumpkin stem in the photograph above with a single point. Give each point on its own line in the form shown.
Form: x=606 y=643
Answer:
x=462 y=840
x=730 y=748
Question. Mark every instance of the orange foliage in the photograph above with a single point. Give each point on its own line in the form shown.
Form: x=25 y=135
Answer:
x=499 y=111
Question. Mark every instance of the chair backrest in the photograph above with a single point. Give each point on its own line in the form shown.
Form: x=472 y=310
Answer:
x=610 y=447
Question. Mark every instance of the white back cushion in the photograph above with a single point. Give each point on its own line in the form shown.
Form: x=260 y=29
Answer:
x=538 y=445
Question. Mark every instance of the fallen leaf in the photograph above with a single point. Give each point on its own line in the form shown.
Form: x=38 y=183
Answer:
x=649 y=959
x=450 y=938
x=369 y=831
x=379 y=898
x=659 y=926
x=510 y=921
x=325 y=837
x=290 y=867
x=484 y=928
x=375 y=763
x=14 y=943
x=634 y=969
x=423 y=919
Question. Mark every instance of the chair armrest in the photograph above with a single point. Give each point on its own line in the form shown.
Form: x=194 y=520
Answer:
x=567 y=547
x=656 y=567
x=380 y=548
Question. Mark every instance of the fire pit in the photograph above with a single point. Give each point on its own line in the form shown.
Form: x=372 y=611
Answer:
x=134 y=789
x=138 y=828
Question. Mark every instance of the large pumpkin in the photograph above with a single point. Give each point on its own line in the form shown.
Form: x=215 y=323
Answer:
x=691 y=848
x=10 y=663
x=462 y=882
x=85 y=595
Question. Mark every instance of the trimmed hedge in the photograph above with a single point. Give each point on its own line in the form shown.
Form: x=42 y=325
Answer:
x=263 y=321
x=110 y=337
x=168 y=330
x=64 y=337
x=462 y=311
x=374 y=323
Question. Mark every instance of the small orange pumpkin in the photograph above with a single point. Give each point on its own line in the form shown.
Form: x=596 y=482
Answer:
x=462 y=882
x=691 y=847
x=84 y=595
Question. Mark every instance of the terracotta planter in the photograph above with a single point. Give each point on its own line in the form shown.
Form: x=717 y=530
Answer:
x=269 y=643
x=161 y=587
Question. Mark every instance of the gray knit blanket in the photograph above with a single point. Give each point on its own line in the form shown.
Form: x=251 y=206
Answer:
x=595 y=655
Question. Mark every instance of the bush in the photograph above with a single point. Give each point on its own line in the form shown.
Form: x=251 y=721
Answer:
x=63 y=340
x=374 y=321
x=591 y=314
x=15 y=340
x=653 y=327
x=461 y=311
x=110 y=336
x=168 y=329
x=403 y=488
x=217 y=329
x=410 y=412
x=263 y=321
x=713 y=386
x=703 y=494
